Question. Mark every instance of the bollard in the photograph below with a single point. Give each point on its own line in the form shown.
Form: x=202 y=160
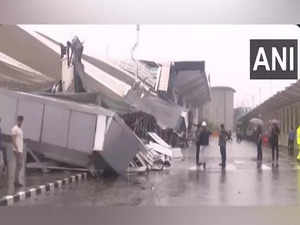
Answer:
x=73 y=179
x=22 y=195
x=42 y=188
x=51 y=186
x=32 y=192
x=59 y=183
x=10 y=200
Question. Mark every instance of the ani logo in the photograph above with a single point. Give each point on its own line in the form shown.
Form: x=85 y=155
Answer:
x=274 y=59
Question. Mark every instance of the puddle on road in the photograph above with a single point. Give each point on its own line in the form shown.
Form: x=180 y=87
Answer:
x=265 y=167
x=239 y=162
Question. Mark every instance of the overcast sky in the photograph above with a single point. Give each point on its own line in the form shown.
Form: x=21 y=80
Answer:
x=225 y=48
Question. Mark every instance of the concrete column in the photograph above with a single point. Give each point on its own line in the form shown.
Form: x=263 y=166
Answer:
x=196 y=115
x=295 y=116
x=285 y=119
x=297 y=119
x=289 y=119
x=200 y=113
x=281 y=122
x=281 y=119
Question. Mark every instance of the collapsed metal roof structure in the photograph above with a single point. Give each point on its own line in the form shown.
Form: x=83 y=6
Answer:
x=113 y=79
x=116 y=84
x=16 y=78
x=18 y=44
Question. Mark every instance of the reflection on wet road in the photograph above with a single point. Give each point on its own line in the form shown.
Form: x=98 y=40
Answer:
x=241 y=184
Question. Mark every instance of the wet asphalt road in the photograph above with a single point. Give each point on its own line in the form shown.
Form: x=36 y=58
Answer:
x=241 y=184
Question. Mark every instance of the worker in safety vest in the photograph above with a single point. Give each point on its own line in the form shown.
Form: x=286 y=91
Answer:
x=298 y=142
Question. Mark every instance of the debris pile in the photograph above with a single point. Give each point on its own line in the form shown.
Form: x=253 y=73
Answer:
x=158 y=143
x=141 y=123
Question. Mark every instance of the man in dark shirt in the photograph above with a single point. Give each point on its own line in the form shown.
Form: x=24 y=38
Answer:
x=202 y=143
x=223 y=137
x=275 y=149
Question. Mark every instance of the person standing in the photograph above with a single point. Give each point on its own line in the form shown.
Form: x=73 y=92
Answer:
x=198 y=133
x=223 y=137
x=203 y=142
x=17 y=147
x=291 y=141
x=259 y=144
x=275 y=148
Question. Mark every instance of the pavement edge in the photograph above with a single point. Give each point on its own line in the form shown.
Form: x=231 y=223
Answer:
x=9 y=200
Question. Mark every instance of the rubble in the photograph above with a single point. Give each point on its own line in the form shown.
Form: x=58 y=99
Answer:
x=158 y=156
x=142 y=123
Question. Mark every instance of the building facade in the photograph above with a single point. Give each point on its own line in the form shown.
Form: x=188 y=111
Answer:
x=284 y=106
x=220 y=109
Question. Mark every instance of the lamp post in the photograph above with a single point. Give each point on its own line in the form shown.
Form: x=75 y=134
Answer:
x=134 y=48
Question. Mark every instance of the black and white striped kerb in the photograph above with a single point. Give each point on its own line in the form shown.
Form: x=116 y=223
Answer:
x=49 y=187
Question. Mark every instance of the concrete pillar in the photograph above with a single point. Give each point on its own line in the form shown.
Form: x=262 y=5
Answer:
x=281 y=117
x=285 y=119
x=288 y=119
x=196 y=115
x=295 y=116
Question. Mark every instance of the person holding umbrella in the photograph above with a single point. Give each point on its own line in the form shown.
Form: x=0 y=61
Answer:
x=256 y=122
x=259 y=144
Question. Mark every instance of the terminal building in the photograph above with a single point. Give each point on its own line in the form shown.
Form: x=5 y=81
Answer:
x=220 y=109
x=283 y=106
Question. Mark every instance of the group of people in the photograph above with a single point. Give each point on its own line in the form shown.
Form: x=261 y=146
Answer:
x=17 y=148
x=202 y=141
x=73 y=50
